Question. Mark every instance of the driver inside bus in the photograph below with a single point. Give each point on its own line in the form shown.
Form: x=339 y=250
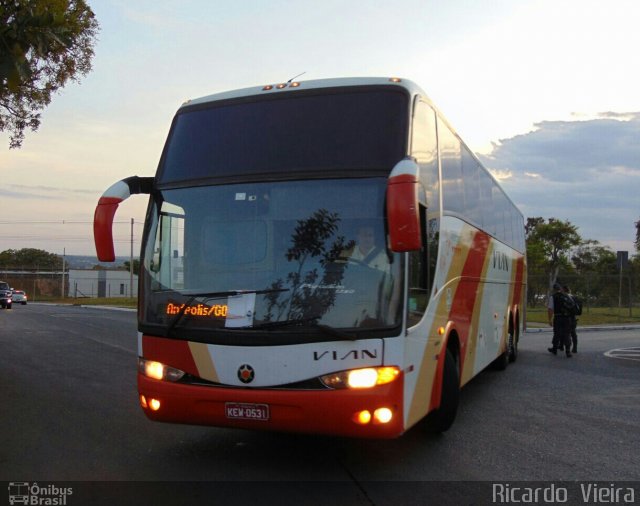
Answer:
x=366 y=251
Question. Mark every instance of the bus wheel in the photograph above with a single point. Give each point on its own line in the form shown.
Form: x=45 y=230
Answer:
x=439 y=420
x=501 y=363
x=512 y=346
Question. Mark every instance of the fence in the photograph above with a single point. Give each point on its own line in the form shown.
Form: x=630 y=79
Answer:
x=37 y=284
x=73 y=283
x=595 y=290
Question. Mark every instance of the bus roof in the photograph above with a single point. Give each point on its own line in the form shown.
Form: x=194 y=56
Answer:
x=307 y=85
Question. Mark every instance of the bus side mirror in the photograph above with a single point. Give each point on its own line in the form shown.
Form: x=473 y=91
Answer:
x=106 y=210
x=403 y=215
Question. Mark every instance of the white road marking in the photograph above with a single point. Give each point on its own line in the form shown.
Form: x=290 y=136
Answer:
x=624 y=354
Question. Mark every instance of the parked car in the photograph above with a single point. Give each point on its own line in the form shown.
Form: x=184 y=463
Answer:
x=5 y=295
x=19 y=296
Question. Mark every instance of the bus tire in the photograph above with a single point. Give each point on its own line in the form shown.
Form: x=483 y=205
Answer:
x=441 y=419
x=512 y=346
x=501 y=363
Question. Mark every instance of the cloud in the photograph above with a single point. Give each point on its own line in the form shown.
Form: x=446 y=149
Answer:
x=572 y=150
x=18 y=191
x=586 y=171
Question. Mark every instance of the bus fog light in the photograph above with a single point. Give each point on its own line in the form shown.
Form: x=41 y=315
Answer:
x=362 y=417
x=143 y=402
x=154 y=404
x=382 y=415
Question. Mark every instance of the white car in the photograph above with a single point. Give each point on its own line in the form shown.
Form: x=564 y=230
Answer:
x=19 y=297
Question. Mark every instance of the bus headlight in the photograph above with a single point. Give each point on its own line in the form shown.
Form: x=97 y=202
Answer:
x=159 y=371
x=368 y=377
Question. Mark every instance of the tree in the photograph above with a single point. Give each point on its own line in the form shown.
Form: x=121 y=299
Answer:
x=591 y=257
x=637 y=241
x=136 y=265
x=530 y=226
x=30 y=258
x=595 y=265
x=43 y=44
x=549 y=243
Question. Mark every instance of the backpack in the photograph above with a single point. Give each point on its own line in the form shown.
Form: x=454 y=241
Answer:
x=564 y=304
x=578 y=305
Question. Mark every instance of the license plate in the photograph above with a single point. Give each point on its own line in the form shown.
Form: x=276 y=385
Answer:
x=244 y=411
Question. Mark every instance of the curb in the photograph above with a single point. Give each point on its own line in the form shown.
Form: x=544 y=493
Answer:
x=89 y=306
x=586 y=329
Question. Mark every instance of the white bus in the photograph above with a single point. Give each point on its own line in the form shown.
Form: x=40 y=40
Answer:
x=324 y=256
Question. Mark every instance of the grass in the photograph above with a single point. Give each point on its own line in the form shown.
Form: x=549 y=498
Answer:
x=536 y=316
x=129 y=302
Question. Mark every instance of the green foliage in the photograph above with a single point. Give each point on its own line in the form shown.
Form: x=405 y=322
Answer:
x=30 y=258
x=43 y=44
x=590 y=256
x=531 y=225
x=136 y=265
x=549 y=244
x=555 y=251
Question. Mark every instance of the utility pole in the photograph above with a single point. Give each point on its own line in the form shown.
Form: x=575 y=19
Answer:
x=622 y=260
x=131 y=263
x=64 y=254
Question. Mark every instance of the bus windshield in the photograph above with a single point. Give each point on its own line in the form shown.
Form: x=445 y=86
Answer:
x=297 y=256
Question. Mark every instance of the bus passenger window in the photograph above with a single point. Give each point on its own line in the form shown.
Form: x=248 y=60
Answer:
x=418 y=278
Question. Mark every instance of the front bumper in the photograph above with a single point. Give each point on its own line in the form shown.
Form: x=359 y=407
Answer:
x=331 y=412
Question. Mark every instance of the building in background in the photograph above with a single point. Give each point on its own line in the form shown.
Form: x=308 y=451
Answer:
x=101 y=283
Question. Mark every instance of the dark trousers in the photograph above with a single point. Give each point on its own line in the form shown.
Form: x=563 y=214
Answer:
x=574 y=335
x=562 y=328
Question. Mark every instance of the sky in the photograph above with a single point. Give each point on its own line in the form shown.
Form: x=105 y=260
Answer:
x=544 y=91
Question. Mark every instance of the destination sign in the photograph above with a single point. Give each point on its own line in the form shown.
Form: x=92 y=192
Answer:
x=216 y=310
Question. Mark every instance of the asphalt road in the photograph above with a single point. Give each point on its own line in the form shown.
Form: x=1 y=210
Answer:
x=70 y=413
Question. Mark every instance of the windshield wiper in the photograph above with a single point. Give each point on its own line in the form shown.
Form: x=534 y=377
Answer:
x=303 y=322
x=335 y=332
x=231 y=293
x=215 y=295
x=278 y=324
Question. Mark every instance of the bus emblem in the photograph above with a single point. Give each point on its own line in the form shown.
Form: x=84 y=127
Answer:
x=246 y=373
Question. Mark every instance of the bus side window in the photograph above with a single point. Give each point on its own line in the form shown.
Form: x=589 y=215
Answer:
x=418 y=276
x=422 y=263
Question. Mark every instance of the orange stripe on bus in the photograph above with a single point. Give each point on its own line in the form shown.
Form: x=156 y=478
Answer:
x=466 y=297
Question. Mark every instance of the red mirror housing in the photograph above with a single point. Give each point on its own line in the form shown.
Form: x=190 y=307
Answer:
x=106 y=210
x=403 y=214
x=102 y=228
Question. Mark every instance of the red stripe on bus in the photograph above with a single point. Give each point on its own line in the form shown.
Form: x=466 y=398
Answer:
x=465 y=299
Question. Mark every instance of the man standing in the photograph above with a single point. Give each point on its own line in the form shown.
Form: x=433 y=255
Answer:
x=574 y=320
x=560 y=312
